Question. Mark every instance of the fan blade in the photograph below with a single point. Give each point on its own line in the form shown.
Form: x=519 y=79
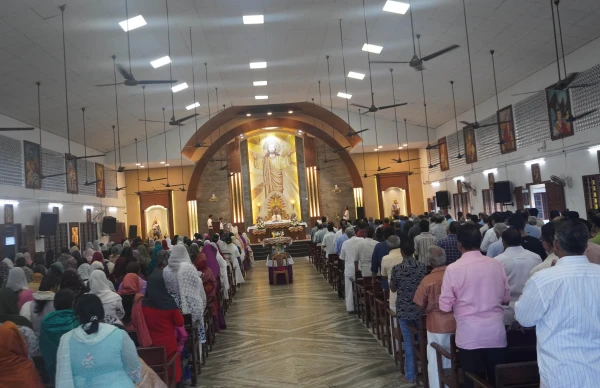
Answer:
x=380 y=62
x=181 y=120
x=155 y=82
x=73 y=157
x=575 y=118
x=521 y=94
x=438 y=53
x=431 y=146
x=360 y=106
x=493 y=124
x=101 y=85
x=224 y=167
x=120 y=188
x=336 y=150
x=197 y=145
x=52 y=176
x=366 y=113
x=357 y=132
x=127 y=75
x=392 y=106
x=382 y=169
x=582 y=85
x=217 y=160
x=150 y=121
x=16 y=129
x=92 y=183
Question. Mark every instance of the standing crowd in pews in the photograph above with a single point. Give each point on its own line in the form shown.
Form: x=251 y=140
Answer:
x=477 y=302
x=136 y=313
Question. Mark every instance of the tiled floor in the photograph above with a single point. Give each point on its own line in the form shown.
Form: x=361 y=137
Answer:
x=296 y=335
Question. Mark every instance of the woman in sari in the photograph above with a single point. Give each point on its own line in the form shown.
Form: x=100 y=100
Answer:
x=194 y=252
x=84 y=271
x=17 y=369
x=144 y=258
x=42 y=304
x=152 y=265
x=54 y=325
x=49 y=257
x=218 y=266
x=160 y=308
x=232 y=253
x=10 y=313
x=18 y=283
x=89 y=252
x=34 y=284
x=209 y=282
x=97 y=266
x=134 y=317
x=57 y=269
x=185 y=286
x=116 y=277
x=4 y=270
x=111 y=301
x=72 y=281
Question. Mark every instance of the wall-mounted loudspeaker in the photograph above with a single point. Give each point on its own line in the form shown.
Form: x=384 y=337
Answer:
x=48 y=224
x=132 y=231
x=442 y=198
x=502 y=192
x=360 y=213
x=109 y=225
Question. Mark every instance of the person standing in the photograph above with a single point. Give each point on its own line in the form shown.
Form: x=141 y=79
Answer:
x=328 y=240
x=381 y=250
x=404 y=280
x=561 y=302
x=475 y=288
x=346 y=214
x=348 y=254
x=365 y=250
x=548 y=231
x=440 y=325
x=450 y=243
x=209 y=224
x=438 y=230
x=423 y=241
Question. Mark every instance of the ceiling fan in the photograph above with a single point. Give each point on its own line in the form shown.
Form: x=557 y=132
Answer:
x=128 y=75
x=68 y=155
x=85 y=152
x=117 y=188
x=562 y=84
x=148 y=179
x=416 y=62
x=372 y=108
x=399 y=160
x=166 y=153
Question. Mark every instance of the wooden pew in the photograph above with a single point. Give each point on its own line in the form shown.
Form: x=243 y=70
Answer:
x=156 y=358
x=515 y=375
x=451 y=377
x=419 y=344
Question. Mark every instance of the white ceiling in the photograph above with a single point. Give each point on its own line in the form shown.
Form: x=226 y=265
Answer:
x=296 y=37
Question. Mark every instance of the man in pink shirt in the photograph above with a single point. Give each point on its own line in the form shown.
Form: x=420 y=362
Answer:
x=475 y=288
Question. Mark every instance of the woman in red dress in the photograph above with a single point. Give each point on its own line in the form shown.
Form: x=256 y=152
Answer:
x=208 y=281
x=160 y=308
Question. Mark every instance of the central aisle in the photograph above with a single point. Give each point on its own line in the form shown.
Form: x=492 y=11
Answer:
x=296 y=335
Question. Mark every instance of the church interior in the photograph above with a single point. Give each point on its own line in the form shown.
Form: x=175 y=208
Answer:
x=254 y=143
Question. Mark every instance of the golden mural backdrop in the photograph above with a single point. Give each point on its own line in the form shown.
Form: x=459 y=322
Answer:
x=273 y=175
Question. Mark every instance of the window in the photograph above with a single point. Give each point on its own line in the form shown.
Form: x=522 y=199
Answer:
x=541 y=204
x=462 y=203
x=590 y=191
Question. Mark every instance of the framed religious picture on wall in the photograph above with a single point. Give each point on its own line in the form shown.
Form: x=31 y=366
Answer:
x=71 y=170
x=459 y=188
x=536 y=174
x=33 y=165
x=443 y=149
x=506 y=130
x=9 y=214
x=559 y=112
x=75 y=234
x=470 y=145
x=100 y=184
x=88 y=215
x=491 y=180
x=56 y=211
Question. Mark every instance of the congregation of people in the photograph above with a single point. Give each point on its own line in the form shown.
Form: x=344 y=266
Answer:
x=476 y=280
x=77 y=318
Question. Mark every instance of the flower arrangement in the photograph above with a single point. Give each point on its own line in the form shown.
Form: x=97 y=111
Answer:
x=294 y=220
x=260 y=223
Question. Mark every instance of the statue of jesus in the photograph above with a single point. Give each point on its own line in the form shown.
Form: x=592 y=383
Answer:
x=272 y=164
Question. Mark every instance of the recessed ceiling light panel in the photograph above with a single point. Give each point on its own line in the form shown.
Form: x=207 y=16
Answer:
x=253 y=19
x=356 y=75
x=194 y=105
x=179 y=87
x=344 y=95
x=396 y=7
x=372 y=48
x=261 y=97
x=160 y=62
x=132 y=23
x=258 y=65
x=260 y=83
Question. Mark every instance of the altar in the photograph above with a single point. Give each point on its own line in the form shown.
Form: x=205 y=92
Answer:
x=285 y=228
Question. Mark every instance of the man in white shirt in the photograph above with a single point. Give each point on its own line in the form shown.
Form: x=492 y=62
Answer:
x=548 y=243
x=328 y=240
x=388 y=262
x=220 y=224
x=517 y=262
x=562 y=303
x=348 y=254
x=438 y=230
x=209 y=224
x=491 y=236
x=365 y=250
x=423 y=241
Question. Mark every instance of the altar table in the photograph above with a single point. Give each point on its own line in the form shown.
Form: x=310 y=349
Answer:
x=284 y=227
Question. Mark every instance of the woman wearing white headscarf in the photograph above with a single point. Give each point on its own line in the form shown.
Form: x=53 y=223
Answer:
x=222 y=267
x=18 y=283
x=230 y=249
x=96 y=245
x=185 y=286
x=89 y=252
x=85 y=271
x=111 y=301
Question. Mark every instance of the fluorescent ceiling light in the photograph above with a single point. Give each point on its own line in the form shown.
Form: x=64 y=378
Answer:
x=253 y=19
x=162 y=162
x=344 y=95
x=396 y=7
x=88 y=207
x=491 y=170
x=261 y=98
x=435 y=184
x=132 y=23
x=376 y=149
x=290 y=111
x=594 y=149
x=356 y=75
x=112 y=209
x=269 y=113
x=258 y=65
x=138 y=164
x=379 y=146
x=458 y=178
x=534 y=161
x=270 y=128
x=180 y=87
x=260 y=83
x=141 y=166
x=404 y=145
x=194 y=105
x=166 y=164
x=160 y=62
x=372 y=48
x=51 y=205
x=400 y=147
x=299 y=131
x=248 y=114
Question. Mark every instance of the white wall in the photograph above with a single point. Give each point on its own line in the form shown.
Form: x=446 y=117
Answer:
x=33 y=202
x=575 y=161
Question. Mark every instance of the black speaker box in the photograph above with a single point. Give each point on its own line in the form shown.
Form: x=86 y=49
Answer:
x=442 y=198
x=48 y=224
x=109 y=225
x=132 y=231
x=502 y=192
x=360 y=213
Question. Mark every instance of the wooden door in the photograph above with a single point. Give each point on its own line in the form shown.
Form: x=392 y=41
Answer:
x=29 y=239
x=555 y=196
x=519 y=197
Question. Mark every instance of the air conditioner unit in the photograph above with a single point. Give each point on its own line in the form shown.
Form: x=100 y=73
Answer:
x=562 y=180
